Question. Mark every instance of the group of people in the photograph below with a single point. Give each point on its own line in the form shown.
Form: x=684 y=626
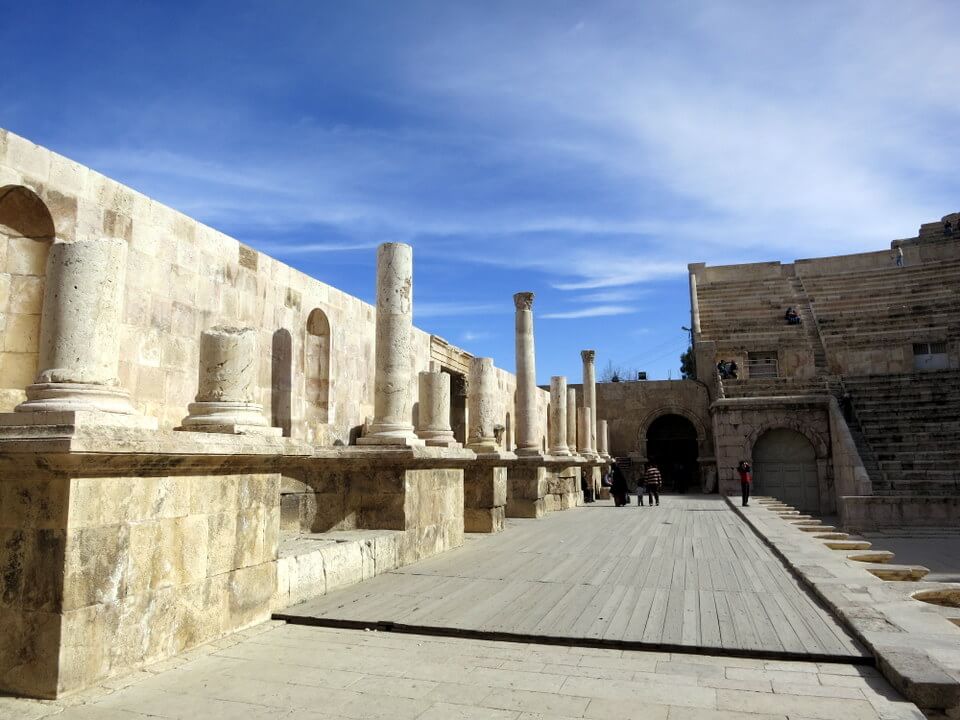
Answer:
x=649 y=484
x=728 y=370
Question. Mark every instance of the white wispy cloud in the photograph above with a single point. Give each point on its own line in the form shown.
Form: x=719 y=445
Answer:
x=595 y=311
x=455 y=309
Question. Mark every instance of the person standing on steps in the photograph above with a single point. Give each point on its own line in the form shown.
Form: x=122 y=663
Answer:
x=652 y=479
x=744 y=470
x=898 y=256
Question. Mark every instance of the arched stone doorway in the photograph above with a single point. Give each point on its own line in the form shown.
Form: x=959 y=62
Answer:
x=672 y=446
x=785 y=467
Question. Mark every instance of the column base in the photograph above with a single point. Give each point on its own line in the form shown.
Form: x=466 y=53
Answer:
x=45 y=424
x=390 y=440
x=439 y=438
x=231 y=418
x=76 y=397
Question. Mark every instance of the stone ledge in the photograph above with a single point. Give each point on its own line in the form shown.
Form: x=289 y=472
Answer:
x=914 y=645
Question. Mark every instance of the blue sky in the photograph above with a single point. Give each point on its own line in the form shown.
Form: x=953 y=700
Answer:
x=583 y=151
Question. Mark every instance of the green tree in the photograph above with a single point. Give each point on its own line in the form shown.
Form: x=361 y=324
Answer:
x=688 y=365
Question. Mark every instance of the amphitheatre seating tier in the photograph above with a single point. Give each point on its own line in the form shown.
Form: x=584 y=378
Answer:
x=886 y=305
x=912 y=423
x=749 y=313
x=776 y=387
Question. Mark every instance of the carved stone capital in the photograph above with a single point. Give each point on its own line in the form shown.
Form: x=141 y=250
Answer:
x=588 y=355
x=523 y=300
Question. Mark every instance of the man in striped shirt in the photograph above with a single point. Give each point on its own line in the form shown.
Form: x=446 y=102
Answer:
x=652 y=479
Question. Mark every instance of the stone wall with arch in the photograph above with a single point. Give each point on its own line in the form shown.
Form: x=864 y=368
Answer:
x=740 y=423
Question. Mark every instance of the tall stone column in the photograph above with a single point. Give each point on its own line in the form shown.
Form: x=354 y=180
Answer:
x=391 y=402
x=80 y=321
x=603 y=447
x=590 y=392
x=528 y=442
x=481 y=411
x=434 y=420
x=227 y=387
x=558 y=416
x=584 y=432
x=572 y=420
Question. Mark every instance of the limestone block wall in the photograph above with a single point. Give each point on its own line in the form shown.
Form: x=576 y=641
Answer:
x=103 y=574
x=739 y=423
x=182 y=278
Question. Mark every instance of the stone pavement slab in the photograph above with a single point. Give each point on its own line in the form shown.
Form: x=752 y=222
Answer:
x=687 y=574
x=291 y=672
x=916 y=645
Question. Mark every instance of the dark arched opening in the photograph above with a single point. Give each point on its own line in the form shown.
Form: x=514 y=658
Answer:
x=672 y=447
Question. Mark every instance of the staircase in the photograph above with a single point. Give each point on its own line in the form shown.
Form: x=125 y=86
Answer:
x=811 y=325
x=912 y=424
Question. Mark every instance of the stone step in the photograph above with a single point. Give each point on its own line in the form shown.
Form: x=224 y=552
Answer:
x=909 y=573
x=841 y=542
x=816 y=528
x=873 y=556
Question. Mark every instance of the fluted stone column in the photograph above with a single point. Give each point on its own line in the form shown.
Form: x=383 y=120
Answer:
x=528 y=442
x=590 y=393
x=391 y=402
x=80 y=322
x=227 y=388
x=558 y=416
x=434 y=420
x=603 y=447
x=481 y=411
x=572 y=420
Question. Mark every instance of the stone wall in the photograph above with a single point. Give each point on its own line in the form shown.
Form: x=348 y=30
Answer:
x=184 y=277
x=739 y=423
x=105 y=572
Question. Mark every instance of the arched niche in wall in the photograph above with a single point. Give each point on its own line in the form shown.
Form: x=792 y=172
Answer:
x=26 y=232
x=316 y=349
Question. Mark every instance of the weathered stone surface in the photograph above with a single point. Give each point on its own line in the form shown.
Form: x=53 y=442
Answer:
x=391 y=421
x=434 y=408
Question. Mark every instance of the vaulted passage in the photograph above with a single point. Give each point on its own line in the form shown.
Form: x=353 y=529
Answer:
x=672 y=447
x=785 y=467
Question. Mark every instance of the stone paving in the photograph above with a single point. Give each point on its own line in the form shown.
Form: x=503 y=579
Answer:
x=288 y=672
x=687 y=574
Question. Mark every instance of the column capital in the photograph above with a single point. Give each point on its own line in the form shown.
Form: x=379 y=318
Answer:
x=588 y=355
x=523 y=300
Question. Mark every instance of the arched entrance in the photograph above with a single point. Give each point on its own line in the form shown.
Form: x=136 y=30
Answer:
x=785 y=467
x=672 y=447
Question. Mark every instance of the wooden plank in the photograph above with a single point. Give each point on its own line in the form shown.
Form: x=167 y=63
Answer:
x=653 y=630
x=673 y=621
x=709 y=619
x=690 y=634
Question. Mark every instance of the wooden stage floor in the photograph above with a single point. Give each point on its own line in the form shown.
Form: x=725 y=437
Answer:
x=687 y=576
